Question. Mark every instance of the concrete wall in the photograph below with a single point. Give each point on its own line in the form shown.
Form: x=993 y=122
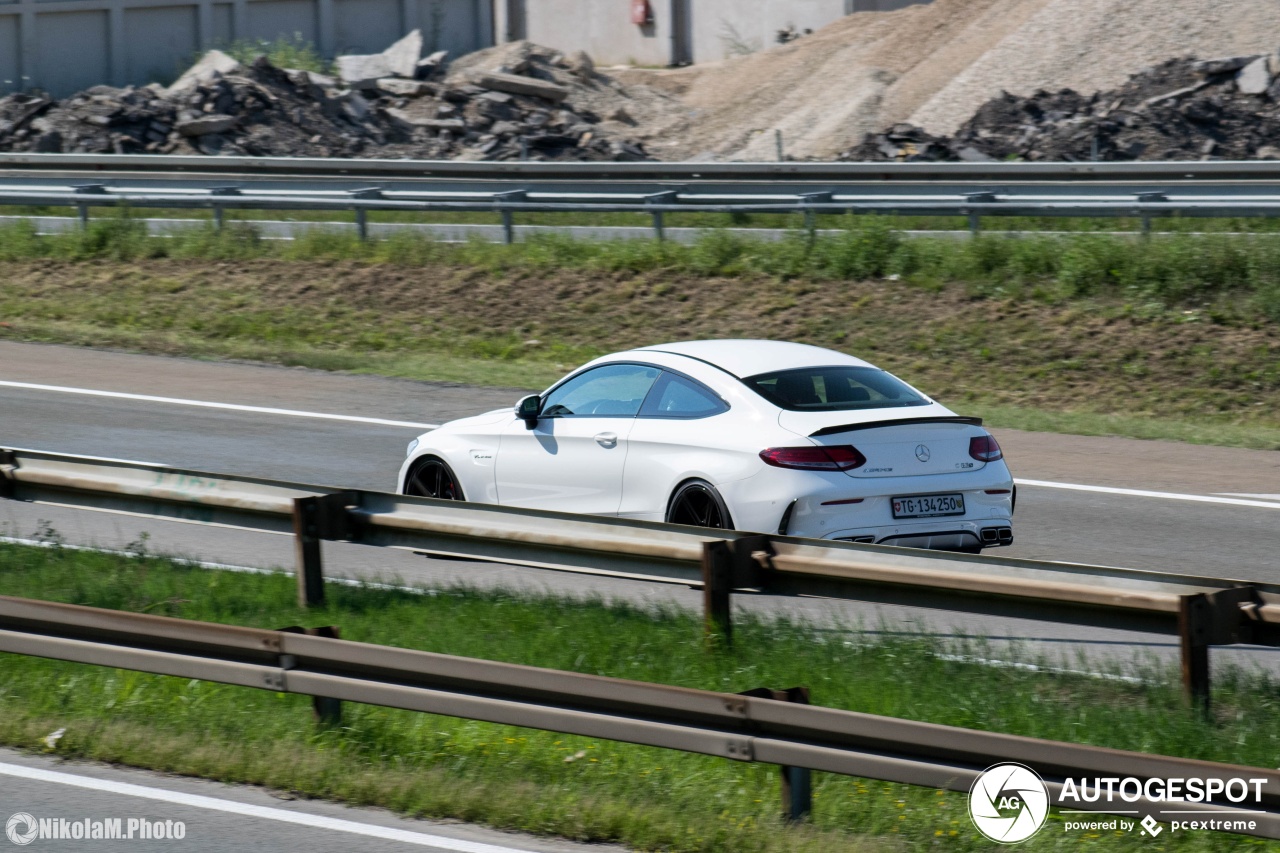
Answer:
x=725 y=28
x=683 y=30
x=602 y=28
x=62 y=46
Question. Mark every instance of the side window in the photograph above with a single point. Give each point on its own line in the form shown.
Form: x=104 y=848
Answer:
x=612 y=390
x=677 y=397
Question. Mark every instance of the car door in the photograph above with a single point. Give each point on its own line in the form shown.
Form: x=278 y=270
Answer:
x=678 y=434
x=572 y=460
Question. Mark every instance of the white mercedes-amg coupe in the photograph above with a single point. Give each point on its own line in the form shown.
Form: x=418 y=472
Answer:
x=753 y=435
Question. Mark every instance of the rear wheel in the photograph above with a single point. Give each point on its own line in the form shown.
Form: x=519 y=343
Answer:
x=697 y=503
x=432 y=478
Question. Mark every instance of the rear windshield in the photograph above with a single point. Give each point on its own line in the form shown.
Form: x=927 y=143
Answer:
x=834 y=389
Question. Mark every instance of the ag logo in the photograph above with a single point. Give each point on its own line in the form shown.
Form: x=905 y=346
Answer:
x=922 y=453
x=1008 y=803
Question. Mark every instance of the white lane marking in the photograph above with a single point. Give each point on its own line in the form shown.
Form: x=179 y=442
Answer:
x=203 y=404
x=128 y=789
x=1259 y=497
x=1142 y=493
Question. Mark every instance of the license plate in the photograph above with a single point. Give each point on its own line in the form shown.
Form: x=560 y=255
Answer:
x=928 y=506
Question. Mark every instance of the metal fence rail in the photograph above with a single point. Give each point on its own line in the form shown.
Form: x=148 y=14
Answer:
x=125 y=165
x=734 y=726
x=1201 y=611
x=1145 y=191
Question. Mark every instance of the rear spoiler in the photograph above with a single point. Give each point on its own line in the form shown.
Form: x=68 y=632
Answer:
x=831 y=430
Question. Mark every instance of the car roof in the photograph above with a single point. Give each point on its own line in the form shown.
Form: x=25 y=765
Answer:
x=745 y=358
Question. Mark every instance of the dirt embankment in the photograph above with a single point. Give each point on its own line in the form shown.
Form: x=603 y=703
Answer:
x=1101 y=356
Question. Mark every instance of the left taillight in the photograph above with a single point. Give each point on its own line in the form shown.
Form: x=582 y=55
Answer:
x=813 y=458
x=985 y=449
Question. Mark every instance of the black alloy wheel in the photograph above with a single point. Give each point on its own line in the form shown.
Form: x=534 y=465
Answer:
x=698 y=504
x=432 y=478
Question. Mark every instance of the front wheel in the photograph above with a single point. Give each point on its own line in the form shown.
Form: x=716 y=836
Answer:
x=697 y=503
x=432 y=478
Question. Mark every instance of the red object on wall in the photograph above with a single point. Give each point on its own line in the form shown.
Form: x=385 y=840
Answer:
x=641 y=12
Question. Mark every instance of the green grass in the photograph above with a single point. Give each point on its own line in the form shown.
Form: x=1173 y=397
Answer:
x=839 y=222
x=577 y=787
x=283 y=51
x=1173 y=272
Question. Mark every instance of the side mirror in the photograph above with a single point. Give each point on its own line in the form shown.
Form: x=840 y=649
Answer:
x=527 y=410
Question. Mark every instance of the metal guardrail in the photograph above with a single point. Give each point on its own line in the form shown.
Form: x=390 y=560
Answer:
x=1201 y=611
x=1139 y=190
x=667 y=172
x=742 y=727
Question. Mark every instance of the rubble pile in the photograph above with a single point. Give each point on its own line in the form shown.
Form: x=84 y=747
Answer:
x=395 y=104
x=1183 y=109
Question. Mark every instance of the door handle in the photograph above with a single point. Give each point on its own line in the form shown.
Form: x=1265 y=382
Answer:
x=607 y=439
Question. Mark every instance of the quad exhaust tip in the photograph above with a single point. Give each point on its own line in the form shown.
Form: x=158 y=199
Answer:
x=997 y=536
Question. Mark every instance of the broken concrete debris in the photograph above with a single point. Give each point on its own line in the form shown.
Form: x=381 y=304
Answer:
x=205 y=124
x=402 y=57
x=1183 y=109
x=389 y=105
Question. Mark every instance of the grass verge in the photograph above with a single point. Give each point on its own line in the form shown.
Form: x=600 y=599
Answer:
x=582 y=788
x=1173 y=338
x=1130 y=226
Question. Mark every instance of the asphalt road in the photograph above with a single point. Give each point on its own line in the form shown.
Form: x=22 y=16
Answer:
x=217 y=817
x=1147 y=505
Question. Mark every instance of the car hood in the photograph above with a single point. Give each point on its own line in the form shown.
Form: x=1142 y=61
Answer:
x=486 y=419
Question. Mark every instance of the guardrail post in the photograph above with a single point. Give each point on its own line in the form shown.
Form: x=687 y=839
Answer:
x=717 y=584
x=1210 y=619
x=810 y=216
x=8 y=464
x=362 y=215
x=975 y=219
x=664 y=197
x=83 y=207
x=1193 y=629
x=314 y=520
x=797 y=782
x=508 y=217
x=1146 y=198
x=307 y=552
x=727 y=566
x=218 y=211
x=327 y=710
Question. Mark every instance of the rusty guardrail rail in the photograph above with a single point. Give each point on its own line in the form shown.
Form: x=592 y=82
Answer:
x=742 y=727
x=1201 y=611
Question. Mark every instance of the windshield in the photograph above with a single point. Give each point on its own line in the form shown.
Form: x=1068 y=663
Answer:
x=834 y=389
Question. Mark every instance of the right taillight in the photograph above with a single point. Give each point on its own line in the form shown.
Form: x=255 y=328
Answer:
x=814 y=458
x=984 y=448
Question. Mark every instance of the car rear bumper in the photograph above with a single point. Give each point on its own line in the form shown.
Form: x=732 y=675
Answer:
x=967 y=536
x=827 y=506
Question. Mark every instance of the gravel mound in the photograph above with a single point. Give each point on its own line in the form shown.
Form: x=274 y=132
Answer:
x=524 y=102
x=934 y=65
x=1182 y=109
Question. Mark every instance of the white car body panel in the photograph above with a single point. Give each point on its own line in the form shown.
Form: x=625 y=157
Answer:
x=563 y=464
x=560 y=465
